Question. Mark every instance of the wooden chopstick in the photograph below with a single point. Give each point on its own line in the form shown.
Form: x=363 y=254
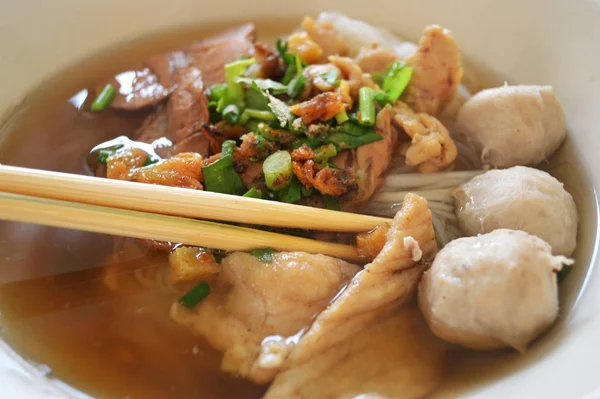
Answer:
x=178 y=201
x=98 y=219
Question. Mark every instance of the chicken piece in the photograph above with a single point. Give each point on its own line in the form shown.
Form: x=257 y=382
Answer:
x=191 y=264
x=431 y=146
x=382 y=286
x=120 y=164
x=369 y=162
x=437 y=71
x=252 y=300
x=396 y=358
x=315 y=76
x=319 y=108
x=369 y=244
x=301 y=44
x=182 y=170
x=353 y=74
x=375 y=59
x=374 y=294
x=323 y=33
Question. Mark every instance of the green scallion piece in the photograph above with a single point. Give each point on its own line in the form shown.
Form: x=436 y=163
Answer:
x=277 y=169
x=397 y=78
x=341 y=117
x=150 y=161
x=292 y=193
x=296 y=86
x=266 y=254
x=331 y=203
x=106 y=96
x=218 y=91
x=233 y=70
x=253 y=193
x=231 y=114
x=220 y=176
x=107 y=152
x=382 y=98
x=344 y=141
x=258 y=114
x=195 y=295
x=323 y=153
x=366 y=106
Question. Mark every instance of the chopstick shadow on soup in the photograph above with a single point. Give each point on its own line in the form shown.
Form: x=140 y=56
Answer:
x=340 y=115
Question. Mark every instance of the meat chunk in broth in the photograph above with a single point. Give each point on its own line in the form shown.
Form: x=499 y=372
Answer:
x=253 y=299
x=376 y=59
x=374 y=294
x=396 y=358
x=437 y=71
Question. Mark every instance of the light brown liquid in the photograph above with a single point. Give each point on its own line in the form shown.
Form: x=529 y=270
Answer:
x=57 y=309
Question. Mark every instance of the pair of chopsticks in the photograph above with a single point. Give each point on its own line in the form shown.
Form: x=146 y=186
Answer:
x=167 y=213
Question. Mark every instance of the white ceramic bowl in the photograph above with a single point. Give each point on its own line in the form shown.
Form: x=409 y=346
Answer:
x=535 y=42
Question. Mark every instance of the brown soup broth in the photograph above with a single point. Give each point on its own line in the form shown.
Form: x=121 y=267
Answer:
x=71 y=300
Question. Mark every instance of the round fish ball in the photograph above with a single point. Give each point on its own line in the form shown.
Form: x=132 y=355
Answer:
x=513 y=125
x=519 y=198
x=491 y=291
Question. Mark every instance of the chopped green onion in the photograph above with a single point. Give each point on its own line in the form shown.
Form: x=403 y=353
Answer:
x=264 y=84
x=296 y=86
x=341 y=117
x=323 y=153
x=231 y=114
x=278 y=170
x=150 y=161
x=346 y=141
x=256 y=98
x=330 y=77
x=307 y=192
x=106 y=96
x=382 y=98
x=355 y=129
x=378 y=77
x=331 y=203
x=195 y=295
x=266 y=254
x=366 y=106
x=218 y=91
x=281 y=111
x=104 y=153
x=253 y=193
x=292 y=193
x=227 y=149
x=396 y=79
x=220 y=176
x=260 y=115
x=233 y=70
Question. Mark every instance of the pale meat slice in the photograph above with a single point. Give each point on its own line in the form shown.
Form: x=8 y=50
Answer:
x=437 y=71
x=252 y=300
x=326 y=37
x=431 y=147
x=396 y=358
x=375 y=59
x=369 y=162
x=374 y=294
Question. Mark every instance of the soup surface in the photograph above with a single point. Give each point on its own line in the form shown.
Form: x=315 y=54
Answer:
x=57 y=310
